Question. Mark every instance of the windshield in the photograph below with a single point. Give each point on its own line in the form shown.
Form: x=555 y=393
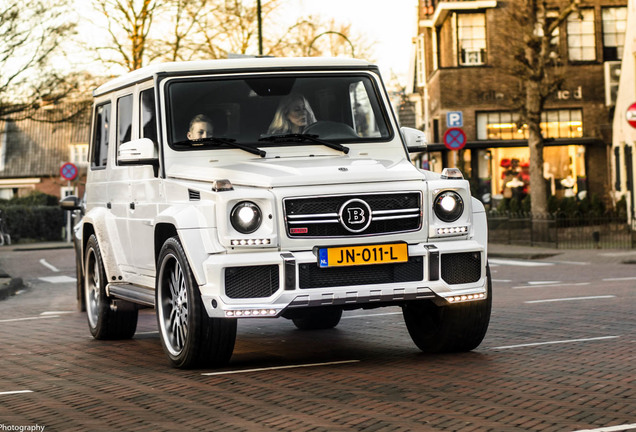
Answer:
x=251 y=110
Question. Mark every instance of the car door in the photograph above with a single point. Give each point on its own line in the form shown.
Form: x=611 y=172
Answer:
x=119 y=187
x=145 y=196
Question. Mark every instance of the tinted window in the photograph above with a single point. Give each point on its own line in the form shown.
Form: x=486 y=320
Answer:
x=124 y=119
x=343 y=108
x=148 y=126
x=100 y=135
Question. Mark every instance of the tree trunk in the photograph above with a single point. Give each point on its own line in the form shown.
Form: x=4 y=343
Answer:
x=538 y=192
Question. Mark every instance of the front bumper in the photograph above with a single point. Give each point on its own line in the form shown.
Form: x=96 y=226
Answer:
x=265 y=284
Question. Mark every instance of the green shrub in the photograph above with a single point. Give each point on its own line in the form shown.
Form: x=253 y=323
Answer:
x=35 y=198
x=33 y=223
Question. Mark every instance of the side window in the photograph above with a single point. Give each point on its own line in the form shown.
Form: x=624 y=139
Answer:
x=364 y=118
x=124 y=119
x=99 y=157
x=148 y=125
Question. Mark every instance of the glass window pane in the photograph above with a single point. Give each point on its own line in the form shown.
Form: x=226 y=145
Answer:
x=482 y=126
x=580 y=36
x=124 y=119
x=148 y=126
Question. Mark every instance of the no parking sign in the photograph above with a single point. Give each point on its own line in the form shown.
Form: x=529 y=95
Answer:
x=630 y=115
x=454 y=139
x=68 y=171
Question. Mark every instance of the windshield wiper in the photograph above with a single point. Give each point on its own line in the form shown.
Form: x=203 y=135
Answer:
x=222 y=141
x=305 y=138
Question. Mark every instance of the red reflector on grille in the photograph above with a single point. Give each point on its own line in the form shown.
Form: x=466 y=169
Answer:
x=298 y=230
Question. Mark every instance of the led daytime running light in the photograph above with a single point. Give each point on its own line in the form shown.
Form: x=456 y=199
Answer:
x=466 y=298
x=452 y=230
x=251 y=313
x=250 y=242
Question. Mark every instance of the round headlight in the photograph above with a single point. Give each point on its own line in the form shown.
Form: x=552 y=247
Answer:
x=246 y=217
x=448 y=206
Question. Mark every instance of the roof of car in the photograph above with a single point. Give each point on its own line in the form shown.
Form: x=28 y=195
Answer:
x=236 y=64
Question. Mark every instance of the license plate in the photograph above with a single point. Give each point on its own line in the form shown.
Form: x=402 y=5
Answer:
x=363 y=255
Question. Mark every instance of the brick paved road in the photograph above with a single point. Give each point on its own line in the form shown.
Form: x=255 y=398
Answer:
x=560 y=365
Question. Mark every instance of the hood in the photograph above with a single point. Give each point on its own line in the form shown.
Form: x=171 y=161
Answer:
x=278 y=172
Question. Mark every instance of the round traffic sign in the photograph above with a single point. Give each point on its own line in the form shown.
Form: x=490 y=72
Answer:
x=454 y=139
x=630 y=115
x=68 y=171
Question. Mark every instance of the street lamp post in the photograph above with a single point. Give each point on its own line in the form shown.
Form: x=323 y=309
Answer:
x=260 y=27
x=311 y=44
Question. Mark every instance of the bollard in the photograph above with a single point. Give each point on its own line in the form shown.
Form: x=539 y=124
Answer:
x=596 y=235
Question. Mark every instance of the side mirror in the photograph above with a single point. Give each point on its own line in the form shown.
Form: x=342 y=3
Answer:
x=141 y=151
x=70 y=202
x=415 y=139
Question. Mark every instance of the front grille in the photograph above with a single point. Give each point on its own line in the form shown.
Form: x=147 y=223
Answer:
x=312 y=276
x=460 y=268
x=251 y=282
x=315 y=217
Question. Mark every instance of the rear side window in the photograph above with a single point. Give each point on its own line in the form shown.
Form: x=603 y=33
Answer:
x=99 y=157
x=148 y=126
x=124 y=119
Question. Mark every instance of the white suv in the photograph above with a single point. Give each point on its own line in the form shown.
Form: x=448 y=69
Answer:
x=256 y=188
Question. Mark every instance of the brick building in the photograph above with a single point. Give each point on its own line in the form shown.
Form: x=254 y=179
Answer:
x=624 y=145
x=34 y=146
x=457 y=82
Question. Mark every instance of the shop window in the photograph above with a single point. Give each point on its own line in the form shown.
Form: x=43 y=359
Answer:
x=563 y=170
x=581 y=36
x=614 y=25
x=506 y=125
x=471 y=38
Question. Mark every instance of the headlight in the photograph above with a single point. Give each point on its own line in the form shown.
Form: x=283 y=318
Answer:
x=246 y=217
x=448 y=206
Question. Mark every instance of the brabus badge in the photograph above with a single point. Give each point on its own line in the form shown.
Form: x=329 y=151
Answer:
x=355 y=215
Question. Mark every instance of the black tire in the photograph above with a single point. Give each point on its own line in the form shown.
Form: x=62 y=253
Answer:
x=107 y=318
x=189 y=337
x=79 y=284
x=318 y=319
x=453 y=328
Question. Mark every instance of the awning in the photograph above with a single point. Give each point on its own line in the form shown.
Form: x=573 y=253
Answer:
x=548 y=142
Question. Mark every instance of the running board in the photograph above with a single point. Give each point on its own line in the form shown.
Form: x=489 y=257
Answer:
x=132 y=293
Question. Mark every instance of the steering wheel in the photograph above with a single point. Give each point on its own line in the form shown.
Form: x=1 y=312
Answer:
x=330 y=129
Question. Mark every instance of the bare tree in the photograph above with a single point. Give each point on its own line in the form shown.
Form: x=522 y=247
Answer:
x=133 y=20
x=31 y=34
x=530 y=53
x=142 y=31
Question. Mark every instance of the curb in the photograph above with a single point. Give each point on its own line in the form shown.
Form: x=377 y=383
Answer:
x=522 y=255
x=9 y=288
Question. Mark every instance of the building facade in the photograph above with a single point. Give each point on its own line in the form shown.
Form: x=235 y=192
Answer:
x=35 y=145
x=624 y=139
x=458 y=82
